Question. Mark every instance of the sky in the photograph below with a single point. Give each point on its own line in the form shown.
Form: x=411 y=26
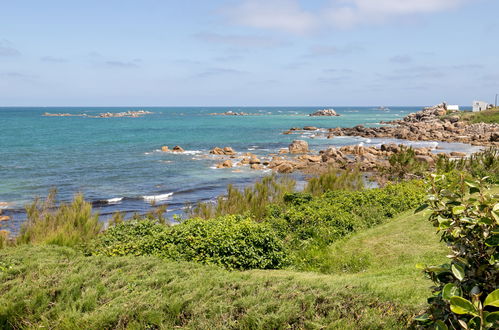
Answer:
x=248 y=52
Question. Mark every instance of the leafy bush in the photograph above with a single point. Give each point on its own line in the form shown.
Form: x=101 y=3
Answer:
x=465 y=292
x=66 y=225
x=253 y=199
x=234 y=242
x=336 y=213
x=334 y=179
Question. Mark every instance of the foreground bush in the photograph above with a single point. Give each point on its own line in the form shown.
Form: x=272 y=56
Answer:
x=67 y=225
x=466 y=291
x=233 y=242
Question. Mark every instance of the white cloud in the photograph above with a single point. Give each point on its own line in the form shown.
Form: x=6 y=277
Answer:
x=290 y=16
x=284 y=15
x=347 y=13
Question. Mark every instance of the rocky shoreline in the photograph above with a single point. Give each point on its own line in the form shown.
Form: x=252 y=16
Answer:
x=430 y=124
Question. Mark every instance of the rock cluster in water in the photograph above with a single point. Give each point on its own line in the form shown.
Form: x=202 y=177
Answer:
x=324 y=112
x=129 y=114
x=232 y=113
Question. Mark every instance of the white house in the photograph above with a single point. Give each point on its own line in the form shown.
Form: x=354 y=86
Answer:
x=480 y=106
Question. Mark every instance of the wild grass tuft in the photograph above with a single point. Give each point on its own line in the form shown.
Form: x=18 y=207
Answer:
x=335 y=179
x=252 y=200
x=66 y=225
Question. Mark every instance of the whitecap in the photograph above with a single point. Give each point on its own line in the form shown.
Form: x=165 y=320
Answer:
x=156 y=198
x=191 y=152
x=114 y=200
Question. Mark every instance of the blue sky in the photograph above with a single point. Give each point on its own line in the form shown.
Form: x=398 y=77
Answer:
x=248 y=52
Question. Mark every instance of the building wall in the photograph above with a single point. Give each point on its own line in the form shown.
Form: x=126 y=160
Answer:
x=479 y=106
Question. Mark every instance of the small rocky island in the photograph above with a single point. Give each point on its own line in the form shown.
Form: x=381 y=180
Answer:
x=324 y=113
x=232 y=113
x=128 y=114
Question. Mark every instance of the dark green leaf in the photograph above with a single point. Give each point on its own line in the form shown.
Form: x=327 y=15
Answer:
x=421 y=208
x=450 y=290
x=440 y=325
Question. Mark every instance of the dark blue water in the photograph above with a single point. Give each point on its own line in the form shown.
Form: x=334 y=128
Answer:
x=119 y=158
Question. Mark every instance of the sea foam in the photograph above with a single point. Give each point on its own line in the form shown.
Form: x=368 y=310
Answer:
x=157 y=198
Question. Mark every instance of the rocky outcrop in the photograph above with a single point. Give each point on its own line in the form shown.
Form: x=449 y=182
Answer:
x=4 y=218
x=425 y=125
x=232 y=113
x=298 y=147
x=165 y=149
x=225 y=164
x=324 y=112
x=178 y=149
x=129 y=114
x=227 y=151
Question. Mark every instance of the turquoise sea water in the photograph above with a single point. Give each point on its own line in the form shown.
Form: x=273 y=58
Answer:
x=118 y=159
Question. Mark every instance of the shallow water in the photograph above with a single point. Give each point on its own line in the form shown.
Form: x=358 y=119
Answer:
x=119 y=159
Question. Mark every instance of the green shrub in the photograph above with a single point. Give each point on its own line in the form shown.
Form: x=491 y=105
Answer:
x=233 y=242
x=67 y=225
x=252 y=200
x=404 y=164
x=478 y=165
x=335 y=179
x=465 y=292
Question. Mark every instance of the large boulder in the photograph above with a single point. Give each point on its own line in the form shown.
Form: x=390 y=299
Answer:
x=217 y=151
x=178 y=149
x=310 y=128
x=4 y=218
x=298 y=147
x=229 y=151
x=165 y=149
x=285 y=168
x=225 y=164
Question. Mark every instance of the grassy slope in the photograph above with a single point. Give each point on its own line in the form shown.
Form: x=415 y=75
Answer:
x=371 y=283
x=487 y=116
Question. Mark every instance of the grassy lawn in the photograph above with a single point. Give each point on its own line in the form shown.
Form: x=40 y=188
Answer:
x=487 y=116
x=370 y=281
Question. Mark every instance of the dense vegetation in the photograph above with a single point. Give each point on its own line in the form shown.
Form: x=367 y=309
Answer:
x=466 y=293
x=370 y=283
x=64 y=271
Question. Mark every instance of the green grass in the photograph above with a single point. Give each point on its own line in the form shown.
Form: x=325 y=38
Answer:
x=369 y=281
x=487 y=116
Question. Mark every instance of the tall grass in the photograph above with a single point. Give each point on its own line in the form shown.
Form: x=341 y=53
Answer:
x=404 y=165
x=479 y=165
x=253 y=199
x=335 y=179
x=66 y=225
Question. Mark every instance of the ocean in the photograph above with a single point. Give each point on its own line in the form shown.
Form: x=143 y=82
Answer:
x=117 y=162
